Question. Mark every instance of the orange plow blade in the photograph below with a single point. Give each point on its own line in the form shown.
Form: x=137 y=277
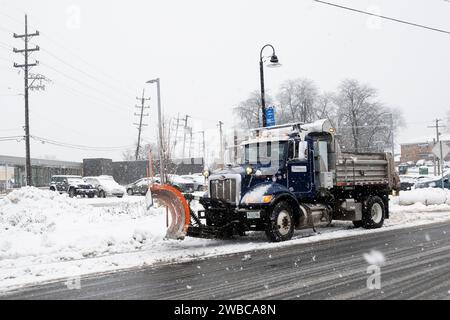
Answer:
x=178 y=207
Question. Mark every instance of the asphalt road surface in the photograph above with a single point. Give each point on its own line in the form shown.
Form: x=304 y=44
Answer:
x=417 y=266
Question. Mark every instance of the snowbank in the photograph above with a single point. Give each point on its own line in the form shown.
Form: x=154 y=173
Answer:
x=53 y=227
x=426 y=196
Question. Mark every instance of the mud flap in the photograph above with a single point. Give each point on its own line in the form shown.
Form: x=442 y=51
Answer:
x=177 y=205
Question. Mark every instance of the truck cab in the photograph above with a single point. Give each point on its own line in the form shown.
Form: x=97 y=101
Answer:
x=292 y=177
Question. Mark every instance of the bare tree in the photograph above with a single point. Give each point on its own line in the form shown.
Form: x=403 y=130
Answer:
x=447 y=121
x=144 y=152
x=326 y=108
x=297 y=99
x=249 y=111
x=364 y=123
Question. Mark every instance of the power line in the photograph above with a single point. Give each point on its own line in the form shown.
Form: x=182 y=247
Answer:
x=11 y=138
x=77 y=81
x=68 y=50
x=113 y=88
x=77 y=146
x=102 y=82
x=97 y=100
x=383 y=17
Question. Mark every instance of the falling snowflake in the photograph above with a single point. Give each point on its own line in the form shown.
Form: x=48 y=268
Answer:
x=188 y=287
x=247 y=257
x=427 y=237
x=374 y=258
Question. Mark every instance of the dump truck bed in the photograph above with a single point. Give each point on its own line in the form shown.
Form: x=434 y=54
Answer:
x=364 y=169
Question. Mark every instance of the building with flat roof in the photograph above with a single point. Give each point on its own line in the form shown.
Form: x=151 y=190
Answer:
x=421 y=150
x=12 y=170
x=42 y=170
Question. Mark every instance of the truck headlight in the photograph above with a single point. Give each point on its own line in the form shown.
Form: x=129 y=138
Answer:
x=252 y=199
x=206 y=173
x=249 y=170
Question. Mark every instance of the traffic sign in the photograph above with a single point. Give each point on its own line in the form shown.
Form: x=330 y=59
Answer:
x=270 y=117
x=437 y=149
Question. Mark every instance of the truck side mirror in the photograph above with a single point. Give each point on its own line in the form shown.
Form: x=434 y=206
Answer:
x=302 y=151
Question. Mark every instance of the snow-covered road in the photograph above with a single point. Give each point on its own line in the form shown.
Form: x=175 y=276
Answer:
x=45 y=236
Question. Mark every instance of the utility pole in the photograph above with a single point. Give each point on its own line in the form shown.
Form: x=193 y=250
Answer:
x=26 y=66
x=184 y=136
x=440 y=160
x=176 y=131
x=221 y=140
x=203 y=145
x=235 y=142
x=392 y=137
x=141 y=116
x=190 y=142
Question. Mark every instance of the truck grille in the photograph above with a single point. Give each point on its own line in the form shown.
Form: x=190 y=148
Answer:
x=224 y=190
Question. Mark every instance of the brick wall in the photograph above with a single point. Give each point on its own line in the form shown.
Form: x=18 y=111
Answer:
x=418 y=151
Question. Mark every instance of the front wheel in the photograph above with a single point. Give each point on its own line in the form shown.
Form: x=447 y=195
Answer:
x=373 y=213
x=281 y=223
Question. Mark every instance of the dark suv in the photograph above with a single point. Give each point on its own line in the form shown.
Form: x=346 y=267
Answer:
x=140 y=186
x=72 y=185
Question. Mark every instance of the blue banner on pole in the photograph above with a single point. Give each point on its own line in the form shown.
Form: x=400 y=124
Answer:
x=270 y=116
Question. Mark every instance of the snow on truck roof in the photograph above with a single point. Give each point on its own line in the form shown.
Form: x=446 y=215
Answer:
x=282 y=132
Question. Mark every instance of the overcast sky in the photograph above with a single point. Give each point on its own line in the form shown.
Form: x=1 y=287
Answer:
x=99 y=54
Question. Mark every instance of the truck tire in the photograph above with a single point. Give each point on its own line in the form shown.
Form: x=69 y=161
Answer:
x=373 y=213
x=101 y=194
x=281 y=223
x=130 y=192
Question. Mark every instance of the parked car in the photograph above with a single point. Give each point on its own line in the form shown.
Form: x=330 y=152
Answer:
x=182 y=184
x=73 y=186
x=106 y=186
x=198 y=180
x=140 y=186
x=434 y=183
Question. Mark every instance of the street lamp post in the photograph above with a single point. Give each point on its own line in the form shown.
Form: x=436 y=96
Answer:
x=160 y=130
x=274 y=63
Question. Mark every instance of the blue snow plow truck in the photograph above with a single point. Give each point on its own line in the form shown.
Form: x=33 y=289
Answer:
x=293 y=177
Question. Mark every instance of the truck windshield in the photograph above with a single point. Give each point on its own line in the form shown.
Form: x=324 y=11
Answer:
x=266 y=153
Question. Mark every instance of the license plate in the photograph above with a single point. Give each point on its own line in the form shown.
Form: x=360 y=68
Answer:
x=253 y=215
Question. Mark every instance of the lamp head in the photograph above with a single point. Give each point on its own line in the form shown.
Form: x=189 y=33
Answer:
x=274 y=62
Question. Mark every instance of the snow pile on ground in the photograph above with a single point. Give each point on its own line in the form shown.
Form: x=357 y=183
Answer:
x=53 y=227
x=426 y=196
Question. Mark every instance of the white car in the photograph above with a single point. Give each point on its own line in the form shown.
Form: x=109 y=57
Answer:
x=106 y=186
x=198 y=180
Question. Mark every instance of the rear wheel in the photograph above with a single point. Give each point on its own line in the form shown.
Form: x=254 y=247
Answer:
x=130 y=192
x=101 y=194
x=373 y=213
x=71 y=192
x=281 y=223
